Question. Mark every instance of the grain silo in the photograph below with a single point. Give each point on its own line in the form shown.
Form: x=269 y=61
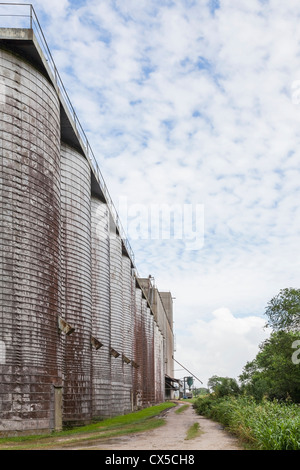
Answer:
x=30 y=246
x=150 y=356
x=167 y=302
x=76 y=282
x=116 y=324
x=101 y=357
x=138 y=351
x=145 y=384
x=158 y=364
x=127 y=331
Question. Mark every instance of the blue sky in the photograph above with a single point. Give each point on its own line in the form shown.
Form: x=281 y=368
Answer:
x=195 y=102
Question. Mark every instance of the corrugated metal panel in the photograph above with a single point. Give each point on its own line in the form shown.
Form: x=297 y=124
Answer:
x=116 y=333
x=138 y=351
x=145 y=341
x=127 y=331
x=169 y=351
x=76 y=306
x=132 y=339
x=159 y=365
x=150 y=359
x=167 y=302
x=101 y=309
x=30 y=245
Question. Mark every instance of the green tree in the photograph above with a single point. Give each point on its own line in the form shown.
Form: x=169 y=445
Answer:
x=222 y=386
x=273 y=373
x=200 y=391
x=283 y=311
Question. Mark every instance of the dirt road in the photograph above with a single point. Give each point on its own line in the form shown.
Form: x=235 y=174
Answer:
x=172 y=436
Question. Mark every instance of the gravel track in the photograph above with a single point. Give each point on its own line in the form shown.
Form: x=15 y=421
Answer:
x=172 y=435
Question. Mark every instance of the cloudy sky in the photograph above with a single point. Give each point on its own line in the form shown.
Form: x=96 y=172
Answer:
x=195 y=104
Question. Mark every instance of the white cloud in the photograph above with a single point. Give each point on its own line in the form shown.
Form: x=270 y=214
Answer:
x=219 y=346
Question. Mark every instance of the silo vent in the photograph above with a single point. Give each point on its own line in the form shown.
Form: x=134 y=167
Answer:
x=125 y=359
x=96 y=343
x=64 y=326
x=114 y=353
x=134 y=364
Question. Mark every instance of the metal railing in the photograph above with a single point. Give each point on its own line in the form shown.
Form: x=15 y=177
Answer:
x=30 y=21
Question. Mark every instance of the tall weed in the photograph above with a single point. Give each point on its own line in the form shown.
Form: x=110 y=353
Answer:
x=268 y=425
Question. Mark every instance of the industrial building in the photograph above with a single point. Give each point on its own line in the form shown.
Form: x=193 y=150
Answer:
x=82 y=336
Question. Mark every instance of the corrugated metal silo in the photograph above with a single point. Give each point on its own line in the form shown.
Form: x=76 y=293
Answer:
x=150 y=358
x=30 y=246
x=127 y=332
x=138 y=351
x=116 y=333
x=145 y=340
x=158 y=364
x=76 y=305
x=101 y=358
x=132 y=338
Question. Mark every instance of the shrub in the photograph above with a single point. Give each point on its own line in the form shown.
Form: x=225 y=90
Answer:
x=268 y=425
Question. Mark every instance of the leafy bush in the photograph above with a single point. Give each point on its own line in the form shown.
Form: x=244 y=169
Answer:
x=272 y=373
x=223 y=386
x=269 y=425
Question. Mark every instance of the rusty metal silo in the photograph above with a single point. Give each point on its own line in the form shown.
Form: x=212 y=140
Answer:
x=145 y=383
x=101 y=357
x=127 y=332
x=116 y=332
x=30 y=246
x=132 y=339
x=158 y=364
x=76 y=266
x=150 y=357
x=138 y=351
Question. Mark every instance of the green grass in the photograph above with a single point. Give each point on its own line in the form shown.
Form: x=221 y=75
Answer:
x=193 y=431
x=138 y=421
x=190 y=400
x=268 y=425
x=182 y=408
